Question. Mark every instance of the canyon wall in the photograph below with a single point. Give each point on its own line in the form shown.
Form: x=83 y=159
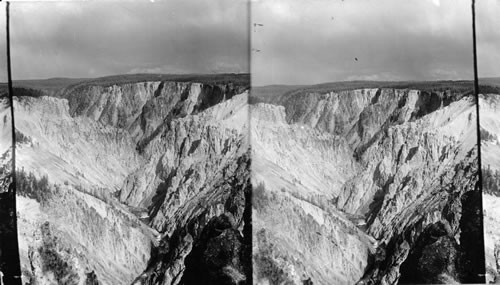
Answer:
x=362 y=185
x=128 y=183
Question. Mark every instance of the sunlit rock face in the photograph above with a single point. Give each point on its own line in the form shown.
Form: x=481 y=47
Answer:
x=489 y=107
x=364 y=186
x=129 y=182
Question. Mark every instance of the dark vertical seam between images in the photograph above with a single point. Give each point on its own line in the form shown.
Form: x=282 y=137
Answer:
x=11 y=99
x=249 y=51
x=478 y=130
x=249 y=132
x=476 y=93
x=16 y=279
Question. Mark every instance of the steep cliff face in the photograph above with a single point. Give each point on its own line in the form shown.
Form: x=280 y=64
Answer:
x=299 y=172
x=141 y=108
x=120 y=182
x=5 y=123
x=489 y=108
x=489 y=119
x=369 y=178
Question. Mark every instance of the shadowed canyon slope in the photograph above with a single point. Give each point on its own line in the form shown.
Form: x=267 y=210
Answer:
x=366 y=185
x=127 y=180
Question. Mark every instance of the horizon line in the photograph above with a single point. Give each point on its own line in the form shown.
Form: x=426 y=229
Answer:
x=247 y=73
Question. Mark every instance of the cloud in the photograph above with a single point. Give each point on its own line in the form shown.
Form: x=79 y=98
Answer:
x=436 y=2
x=165 y=69
x=382 y=76
x=280 y=9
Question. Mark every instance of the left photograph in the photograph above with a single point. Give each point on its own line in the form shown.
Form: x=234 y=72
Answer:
x=131 y=135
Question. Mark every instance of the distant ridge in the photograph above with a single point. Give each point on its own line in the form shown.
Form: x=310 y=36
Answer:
x=492 y=81
x=52 y=86
x=265 y=93
x=237 y=78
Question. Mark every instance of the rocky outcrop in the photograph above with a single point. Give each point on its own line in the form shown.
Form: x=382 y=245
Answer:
x=385 y=173
x=138 y=175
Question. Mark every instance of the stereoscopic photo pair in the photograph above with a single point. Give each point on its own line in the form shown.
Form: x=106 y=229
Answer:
x=250 y=142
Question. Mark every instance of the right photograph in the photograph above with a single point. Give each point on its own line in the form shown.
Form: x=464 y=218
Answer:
x=365 y=154
x=488 y=55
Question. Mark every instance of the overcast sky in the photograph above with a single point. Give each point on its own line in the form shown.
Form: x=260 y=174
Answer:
x=301 y=42
x=97 y=38
x=488 y=37
x=305 y=42
x=3 y=47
